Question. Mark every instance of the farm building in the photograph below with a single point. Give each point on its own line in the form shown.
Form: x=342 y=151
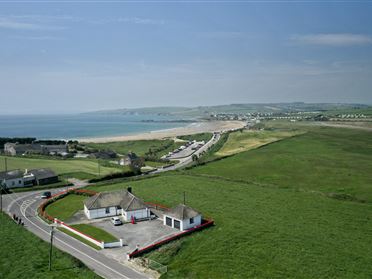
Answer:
x=18 y=178
x=116 y=203
x=182 y=217
x=43 y=176
x=12 y=179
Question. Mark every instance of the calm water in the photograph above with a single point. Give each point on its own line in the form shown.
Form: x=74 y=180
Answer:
x=80 y=126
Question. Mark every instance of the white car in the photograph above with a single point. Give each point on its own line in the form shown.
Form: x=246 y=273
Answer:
x=116 y=221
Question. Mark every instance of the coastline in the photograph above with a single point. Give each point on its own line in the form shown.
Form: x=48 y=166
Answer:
x=193 y=128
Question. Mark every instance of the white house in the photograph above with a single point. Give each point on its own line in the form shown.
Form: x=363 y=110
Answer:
x=116 y=203
x=12 y=179
x=182 y=217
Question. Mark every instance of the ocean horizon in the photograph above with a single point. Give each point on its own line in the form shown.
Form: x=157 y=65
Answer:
x=80 y=126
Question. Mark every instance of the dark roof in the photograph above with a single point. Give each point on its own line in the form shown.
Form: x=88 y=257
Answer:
x=182 y=212
x=23 y=148
x=13 y=174
x=123 y=198
x=42 y=173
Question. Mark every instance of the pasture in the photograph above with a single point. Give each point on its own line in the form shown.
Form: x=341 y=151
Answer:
x=23 y=255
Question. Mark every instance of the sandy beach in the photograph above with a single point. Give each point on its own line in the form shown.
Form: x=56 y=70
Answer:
x=194 y=128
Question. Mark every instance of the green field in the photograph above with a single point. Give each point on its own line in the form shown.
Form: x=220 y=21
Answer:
x=245 y=140
x=261 y=232
x=66 y=207
x=198 y=137
x=59 y=166
x=140 y=147
x=325 y=159
x=23 y=255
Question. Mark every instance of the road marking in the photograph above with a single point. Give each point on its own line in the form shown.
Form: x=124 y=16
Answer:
x=73 y=248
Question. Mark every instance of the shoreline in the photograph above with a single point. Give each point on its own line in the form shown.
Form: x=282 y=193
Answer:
x=193 y=128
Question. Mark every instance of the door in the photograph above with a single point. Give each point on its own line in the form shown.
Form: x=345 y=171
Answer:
x=177 y=224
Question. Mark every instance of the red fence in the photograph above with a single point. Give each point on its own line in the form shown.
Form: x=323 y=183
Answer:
x=206 y=224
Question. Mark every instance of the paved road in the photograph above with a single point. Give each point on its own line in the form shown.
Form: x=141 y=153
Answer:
x=185 y=161
x=25 y=206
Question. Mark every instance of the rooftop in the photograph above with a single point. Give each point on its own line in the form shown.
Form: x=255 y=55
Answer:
x=182 y=212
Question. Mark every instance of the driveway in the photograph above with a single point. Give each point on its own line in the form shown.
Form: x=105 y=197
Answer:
x=138 y=235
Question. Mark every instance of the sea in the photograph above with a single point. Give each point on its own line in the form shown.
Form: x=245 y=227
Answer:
x=80 y=126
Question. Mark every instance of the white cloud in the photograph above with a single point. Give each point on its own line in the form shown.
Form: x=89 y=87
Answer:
x=342 y=39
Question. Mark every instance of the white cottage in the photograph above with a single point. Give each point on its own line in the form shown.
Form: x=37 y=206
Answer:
x=116 y=203
x=182 y=217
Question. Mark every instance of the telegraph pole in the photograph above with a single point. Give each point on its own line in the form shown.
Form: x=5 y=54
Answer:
x=51 y=248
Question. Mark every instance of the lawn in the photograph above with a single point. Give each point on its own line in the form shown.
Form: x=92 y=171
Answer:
x=66 y=207
x=23 y=255
x=245 y=140
x=95 y=232
x=59 y=166
x=329 y=160
x=261 y=232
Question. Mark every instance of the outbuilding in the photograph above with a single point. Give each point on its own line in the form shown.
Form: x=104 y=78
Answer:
x=182 y=217
x=12 y=179
x=122 y=202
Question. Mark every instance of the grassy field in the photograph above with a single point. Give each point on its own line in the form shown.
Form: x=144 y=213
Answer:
x=79 y=238
x=23 y=255
x=261 y=232
x=198 y=137
x=245 y=140
x=59 y=166
x=140 y=147
x=95 y=232
x=329 y=160
x=64 y=208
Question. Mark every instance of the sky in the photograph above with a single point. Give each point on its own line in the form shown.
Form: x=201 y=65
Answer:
x=81 y=56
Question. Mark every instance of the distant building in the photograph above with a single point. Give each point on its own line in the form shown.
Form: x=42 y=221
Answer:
x=116 y=203
x=17 y=178
x=12 y=179
x=14 y=149
x=182 y=217
x=43 y=176
x=103 y=155
x=129 y=159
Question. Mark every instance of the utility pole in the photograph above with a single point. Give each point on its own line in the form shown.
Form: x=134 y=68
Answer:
x=51 y=248
x=1 y=196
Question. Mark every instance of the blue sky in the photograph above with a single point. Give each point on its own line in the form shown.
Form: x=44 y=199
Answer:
x=71 y=57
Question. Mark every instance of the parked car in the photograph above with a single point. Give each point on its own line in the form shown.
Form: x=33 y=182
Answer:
x=46 y=195
x=116 y=221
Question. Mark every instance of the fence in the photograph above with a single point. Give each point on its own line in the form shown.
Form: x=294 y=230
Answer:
x=91 y=239
x=156 y=266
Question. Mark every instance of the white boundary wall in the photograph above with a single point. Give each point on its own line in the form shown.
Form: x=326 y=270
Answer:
x=101 y=244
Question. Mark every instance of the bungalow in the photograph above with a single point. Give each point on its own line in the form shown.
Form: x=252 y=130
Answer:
x=182 y=217
x=12 y=179
x=116 y=203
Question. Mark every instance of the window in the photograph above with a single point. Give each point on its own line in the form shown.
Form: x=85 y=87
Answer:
x=19 y=181
x=168 y=221
x=107 y=210
x=192 y=220
x=177 y=224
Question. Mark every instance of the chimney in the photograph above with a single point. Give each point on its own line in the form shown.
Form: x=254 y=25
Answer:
x=129 y=189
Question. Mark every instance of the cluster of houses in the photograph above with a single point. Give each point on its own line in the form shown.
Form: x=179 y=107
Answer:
x=123 y=203
x=18 y=178
x=14 y=149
